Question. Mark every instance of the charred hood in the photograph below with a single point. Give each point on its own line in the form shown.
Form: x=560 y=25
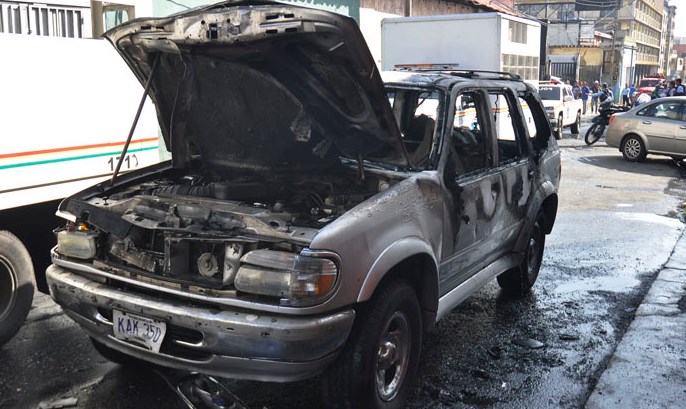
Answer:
x=263 y=86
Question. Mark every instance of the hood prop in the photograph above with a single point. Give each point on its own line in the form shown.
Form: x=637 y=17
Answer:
x=135 y=120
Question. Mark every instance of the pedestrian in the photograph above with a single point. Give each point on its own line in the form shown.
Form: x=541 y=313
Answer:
x=585 y=90
x=671 y=89
x=604 y=95
x=594 y=100
x=625 y=95
x=576 y=90
x=632 y=93
x=679 y=91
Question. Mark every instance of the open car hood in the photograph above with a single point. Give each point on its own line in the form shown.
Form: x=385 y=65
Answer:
x=263 y=86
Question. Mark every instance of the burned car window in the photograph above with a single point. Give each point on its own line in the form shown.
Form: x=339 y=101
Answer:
x=416 y=113
x=470 y=147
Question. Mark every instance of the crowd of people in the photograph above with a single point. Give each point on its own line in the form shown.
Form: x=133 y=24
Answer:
x=601 y=94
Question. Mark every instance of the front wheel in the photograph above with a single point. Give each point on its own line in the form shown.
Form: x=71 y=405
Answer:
x=379 y=362
x=558 y=132
x=633 y=149
x=577 y=124
x=520 y=279
x=16 y=285
x=594 y=133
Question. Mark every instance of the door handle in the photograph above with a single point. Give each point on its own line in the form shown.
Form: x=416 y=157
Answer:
x=647 y=122
x=682 y=127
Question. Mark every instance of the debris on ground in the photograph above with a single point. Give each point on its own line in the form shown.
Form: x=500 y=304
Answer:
x=59 y=403
x=569 y=337
x=200 y=391
x=528 y=343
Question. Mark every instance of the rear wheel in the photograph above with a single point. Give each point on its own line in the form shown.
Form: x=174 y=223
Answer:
x=577 y=124
x=379 y=362
x=520 y=279
x=16 y=285
x=594 y=133
x=633 y=149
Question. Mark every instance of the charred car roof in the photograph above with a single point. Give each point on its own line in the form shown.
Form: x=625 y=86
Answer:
x=262 y=85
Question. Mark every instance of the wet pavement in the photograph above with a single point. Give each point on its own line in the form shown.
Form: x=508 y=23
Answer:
x=617 y=226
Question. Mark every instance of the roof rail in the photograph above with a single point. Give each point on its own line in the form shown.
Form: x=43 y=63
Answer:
x=453 y=69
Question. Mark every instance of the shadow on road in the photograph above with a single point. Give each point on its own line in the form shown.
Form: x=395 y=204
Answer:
x=653 y=166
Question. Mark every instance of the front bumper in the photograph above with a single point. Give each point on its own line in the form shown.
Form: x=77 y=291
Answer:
x=223 y=342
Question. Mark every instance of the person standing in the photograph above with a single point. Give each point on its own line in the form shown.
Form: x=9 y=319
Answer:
x=576 y=90
x=584 y=97
x=679 y=91
x=625 y=95
x=594 y=99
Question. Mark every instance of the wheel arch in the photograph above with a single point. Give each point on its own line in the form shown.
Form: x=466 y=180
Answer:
x=639 y=135
x=410 y=259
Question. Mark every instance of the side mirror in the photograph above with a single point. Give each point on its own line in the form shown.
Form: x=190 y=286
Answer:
x=568 y=98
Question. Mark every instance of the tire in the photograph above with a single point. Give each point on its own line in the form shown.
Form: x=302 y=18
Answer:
x=117 y=357
x=387 y=333
x=16 y=285
x=594 y=133
x=633 y=149
x=519 y=280
x=577 y=124
x=558 y=132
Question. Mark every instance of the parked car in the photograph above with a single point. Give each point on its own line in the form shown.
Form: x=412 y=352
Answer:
x=656 y=127
x=562 y=109
x=304 y=225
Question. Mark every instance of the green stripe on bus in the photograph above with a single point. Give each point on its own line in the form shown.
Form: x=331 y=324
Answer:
x=44 y=162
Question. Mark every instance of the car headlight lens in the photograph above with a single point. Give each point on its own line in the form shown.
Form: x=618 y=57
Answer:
x=297 y=279
x=77 y=244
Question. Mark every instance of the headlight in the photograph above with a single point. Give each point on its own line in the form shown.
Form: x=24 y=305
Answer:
x=77 y=244
x=297 y=279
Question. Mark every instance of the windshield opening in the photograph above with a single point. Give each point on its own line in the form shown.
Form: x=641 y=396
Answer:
x=649 y=83
x=416 y=113
x=550 y=93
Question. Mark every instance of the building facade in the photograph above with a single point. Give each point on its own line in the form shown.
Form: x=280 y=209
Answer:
x=635 y=35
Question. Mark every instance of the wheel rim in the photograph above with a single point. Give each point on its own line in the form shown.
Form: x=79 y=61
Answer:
x=632 y=148
x=393 y=356
x=8 y=287
x=533 y=250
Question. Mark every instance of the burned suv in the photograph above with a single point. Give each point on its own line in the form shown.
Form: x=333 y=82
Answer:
x=313 y=218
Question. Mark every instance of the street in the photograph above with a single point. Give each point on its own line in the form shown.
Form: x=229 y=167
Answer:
x=617 y=225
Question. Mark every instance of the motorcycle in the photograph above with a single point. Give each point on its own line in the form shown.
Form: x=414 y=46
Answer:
x=601 y=122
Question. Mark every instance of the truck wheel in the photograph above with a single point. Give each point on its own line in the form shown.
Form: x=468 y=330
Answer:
x=16 y=285
x=633 y=149
x=560 y=127
x=520 y=279
x=577 y=124
x=379 y=362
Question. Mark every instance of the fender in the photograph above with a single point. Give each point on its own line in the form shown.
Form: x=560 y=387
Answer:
x=546 y=190
x=394 y=254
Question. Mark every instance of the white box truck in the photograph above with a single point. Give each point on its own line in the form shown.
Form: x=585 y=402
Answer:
x=66 y=109
x=479 y=41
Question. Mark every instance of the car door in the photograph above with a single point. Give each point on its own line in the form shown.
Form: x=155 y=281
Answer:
x=473 y=190
x=659 y=121
x=514 y=165
x=680 y=139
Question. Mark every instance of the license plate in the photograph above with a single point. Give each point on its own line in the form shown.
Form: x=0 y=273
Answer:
x=143 y=331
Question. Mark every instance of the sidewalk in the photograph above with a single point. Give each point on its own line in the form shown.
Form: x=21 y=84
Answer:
x=648 y=368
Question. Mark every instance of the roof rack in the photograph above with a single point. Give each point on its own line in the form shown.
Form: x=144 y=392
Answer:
x=453 y=69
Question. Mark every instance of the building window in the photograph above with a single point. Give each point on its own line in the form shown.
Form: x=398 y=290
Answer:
x=517 y=32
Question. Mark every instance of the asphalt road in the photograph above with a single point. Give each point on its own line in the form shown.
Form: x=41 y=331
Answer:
x=617 y=224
